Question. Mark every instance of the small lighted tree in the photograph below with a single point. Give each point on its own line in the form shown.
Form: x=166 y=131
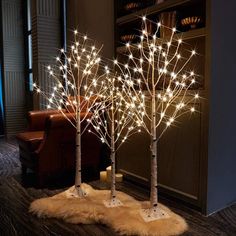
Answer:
x=114 y=122
x=78 y=81
x=156 y=67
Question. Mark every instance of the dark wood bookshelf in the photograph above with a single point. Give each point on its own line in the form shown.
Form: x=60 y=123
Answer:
x=150 y=10
x=188 y=35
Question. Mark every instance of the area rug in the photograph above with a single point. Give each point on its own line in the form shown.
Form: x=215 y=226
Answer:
x=9 y=159
x=125 y=219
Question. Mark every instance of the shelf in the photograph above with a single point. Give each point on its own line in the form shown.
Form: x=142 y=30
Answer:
x=150 y=10
x=191 y=34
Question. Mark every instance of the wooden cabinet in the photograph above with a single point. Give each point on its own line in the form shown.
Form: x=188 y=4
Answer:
x=182 y=150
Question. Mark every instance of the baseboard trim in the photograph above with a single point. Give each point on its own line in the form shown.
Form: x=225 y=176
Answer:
x=135 y=178
x=164 y=190
x=178 y=191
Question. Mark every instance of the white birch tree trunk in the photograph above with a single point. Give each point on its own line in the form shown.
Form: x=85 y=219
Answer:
x=153 y=146
x=113 y=201
x=113 y=161
x=113 y=170
x=78 y=180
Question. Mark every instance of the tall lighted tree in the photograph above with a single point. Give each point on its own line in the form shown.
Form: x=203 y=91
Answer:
x=78 y=81
x=159 y=67
x=114 y=122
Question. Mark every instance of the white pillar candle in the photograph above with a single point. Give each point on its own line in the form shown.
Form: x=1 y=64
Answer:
x=119 y=177
x=103 y=176
x=108 y=169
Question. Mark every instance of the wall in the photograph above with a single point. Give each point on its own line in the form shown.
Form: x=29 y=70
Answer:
x=95 y=18
x=13 y=66
x=222 y=132
x=46 y=42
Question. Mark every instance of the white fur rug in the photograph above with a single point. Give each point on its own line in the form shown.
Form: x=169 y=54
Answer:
x=125 y=219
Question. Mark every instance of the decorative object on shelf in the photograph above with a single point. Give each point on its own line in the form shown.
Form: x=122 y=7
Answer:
x=149 y=28
x=191 y=21
x=103 y=176
x=128 y=37
x=168 y=21
x=132 y=37
x=125 y=220
x=133 y=6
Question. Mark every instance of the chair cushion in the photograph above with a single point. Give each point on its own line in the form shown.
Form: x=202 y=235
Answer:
x=30 y=141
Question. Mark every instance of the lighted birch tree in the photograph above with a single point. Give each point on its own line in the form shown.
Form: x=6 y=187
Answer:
x=157 y=67
x=78 y=81
x=114 y=122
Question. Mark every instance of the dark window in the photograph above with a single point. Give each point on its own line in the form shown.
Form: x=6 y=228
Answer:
x=29 y=47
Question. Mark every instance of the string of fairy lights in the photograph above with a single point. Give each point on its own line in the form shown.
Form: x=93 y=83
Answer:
x=151 y=62
x=153 y=68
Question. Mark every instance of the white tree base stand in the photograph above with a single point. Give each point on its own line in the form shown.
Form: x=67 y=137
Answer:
x=151 y=214
x=125 y=219
x=112 y=202
x=76 y=193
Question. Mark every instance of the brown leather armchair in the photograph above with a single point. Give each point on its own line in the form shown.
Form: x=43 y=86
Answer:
x=48 y=147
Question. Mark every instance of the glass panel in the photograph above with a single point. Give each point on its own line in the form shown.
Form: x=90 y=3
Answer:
x=30 y=50
x=31 y=82
x=29 y=14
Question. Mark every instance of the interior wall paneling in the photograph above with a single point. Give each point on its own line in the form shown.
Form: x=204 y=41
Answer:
x=46 y=42
x=14 y=67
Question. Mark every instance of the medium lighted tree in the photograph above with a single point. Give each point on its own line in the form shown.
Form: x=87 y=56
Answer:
x=114 y=122
x=78 y=81
x=159 y=68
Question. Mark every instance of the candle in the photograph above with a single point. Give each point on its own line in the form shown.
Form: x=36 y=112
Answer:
x=103 y=176
x=119 y=177
x=108 y=169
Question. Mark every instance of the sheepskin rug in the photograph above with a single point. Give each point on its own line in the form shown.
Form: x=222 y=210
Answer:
x=125 y=219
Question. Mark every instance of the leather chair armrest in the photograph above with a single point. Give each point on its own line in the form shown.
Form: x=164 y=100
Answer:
x=37 y=119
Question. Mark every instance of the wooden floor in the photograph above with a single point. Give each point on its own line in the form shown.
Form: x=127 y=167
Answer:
x=15 y=219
